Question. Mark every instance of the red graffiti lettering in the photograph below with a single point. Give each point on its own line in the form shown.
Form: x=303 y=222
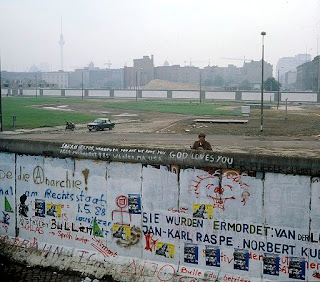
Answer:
x=133 y=263
x=149 y=273
x=150 y=242
x=102 y=248
x=167 y=273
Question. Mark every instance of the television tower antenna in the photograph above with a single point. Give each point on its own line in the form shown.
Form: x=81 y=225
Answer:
x=61 y=43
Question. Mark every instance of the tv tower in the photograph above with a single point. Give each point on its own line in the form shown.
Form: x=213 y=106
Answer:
x=61 y=43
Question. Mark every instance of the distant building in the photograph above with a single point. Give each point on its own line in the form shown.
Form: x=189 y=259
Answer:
x=308 y=76
x=59 y=78
x=290 y=80
x=79 y=77
x=290 y=64
x=140 y=74
x=15 y=80
x=144 y=71
x=106 y=78
x=252 y=72
x=176 y=73
x=218 y=76
x=92 y=77
x=234 y=76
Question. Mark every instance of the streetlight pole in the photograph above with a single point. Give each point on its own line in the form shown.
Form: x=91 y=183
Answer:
x=35 y=77
x=261 y=116
x=278 y=90
x=136 y=85
x=82 y=85
x=200 y=86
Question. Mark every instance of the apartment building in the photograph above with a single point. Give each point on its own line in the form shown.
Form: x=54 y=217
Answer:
x=60 y=78
x=290 y=64
x=308 y=76
x=140 y=74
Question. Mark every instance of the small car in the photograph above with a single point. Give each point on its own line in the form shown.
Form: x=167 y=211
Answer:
x=100 y=124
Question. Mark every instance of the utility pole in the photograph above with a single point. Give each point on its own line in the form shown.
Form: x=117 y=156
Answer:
x=82 y=85
x=35 y=77
x=262 y=65
x=278 y=90
x=136 y=85
x=200 y=86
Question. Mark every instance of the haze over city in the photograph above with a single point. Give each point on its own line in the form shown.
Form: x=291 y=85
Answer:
x=219 y=32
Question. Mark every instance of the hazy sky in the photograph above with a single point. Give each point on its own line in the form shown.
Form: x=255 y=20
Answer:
x=176 y=30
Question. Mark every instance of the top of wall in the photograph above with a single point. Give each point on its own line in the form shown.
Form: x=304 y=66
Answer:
x=154 y=156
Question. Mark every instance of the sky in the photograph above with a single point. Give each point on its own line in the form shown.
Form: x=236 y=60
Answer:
x=180 y=31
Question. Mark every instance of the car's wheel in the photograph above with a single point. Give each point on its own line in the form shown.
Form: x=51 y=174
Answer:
x=90 y=129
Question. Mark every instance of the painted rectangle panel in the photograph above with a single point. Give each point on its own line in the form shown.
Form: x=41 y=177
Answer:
x=220 y=95
x=74 y=92
x=315 y=203
x=154 y=94
x=4 y=92
x=160 y=194
x=99 y=93
x=299 y=97
x=229 y=204
x=58 y=187
x=313 y=237
x=124 y=208
x=186 y=94
x=30 y=92
x=89 y=209
x=7 y=194
x=125 y=93
x=254 y=96
x=30 y=186
x=51 y=92
x=287 y=200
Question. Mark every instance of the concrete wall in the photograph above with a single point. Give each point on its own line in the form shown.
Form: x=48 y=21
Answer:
x=112 y=210
x=176 y=94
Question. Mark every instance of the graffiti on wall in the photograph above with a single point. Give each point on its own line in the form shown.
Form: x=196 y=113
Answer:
x=219 y=186
x=211 y=222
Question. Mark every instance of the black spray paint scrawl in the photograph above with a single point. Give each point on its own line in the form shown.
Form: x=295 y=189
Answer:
x=23 y=208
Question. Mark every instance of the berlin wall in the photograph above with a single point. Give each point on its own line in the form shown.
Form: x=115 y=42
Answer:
x=142 y=214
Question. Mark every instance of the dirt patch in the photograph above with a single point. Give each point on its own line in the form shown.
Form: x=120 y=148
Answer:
x=298 y=120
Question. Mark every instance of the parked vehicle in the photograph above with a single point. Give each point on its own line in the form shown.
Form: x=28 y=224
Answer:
x=70 y=125
x=101 y=124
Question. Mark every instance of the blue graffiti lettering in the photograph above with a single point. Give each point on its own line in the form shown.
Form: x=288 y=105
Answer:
x=88 y=199
x=61 y=196
x=213 y=239
x=268 y=247
x=6 y=192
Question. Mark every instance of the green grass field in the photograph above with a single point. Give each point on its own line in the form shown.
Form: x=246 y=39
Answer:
x=29 y=117
x=172 y=106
